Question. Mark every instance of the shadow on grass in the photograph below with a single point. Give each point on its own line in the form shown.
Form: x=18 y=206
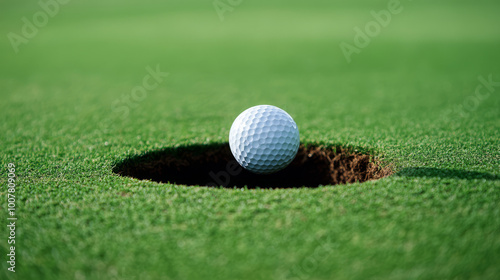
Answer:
x=445 y=173
x=214 y=165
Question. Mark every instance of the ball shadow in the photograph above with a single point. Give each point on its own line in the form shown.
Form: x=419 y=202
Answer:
x=445 y=173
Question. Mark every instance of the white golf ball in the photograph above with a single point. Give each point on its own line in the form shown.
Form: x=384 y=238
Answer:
x=264 y=139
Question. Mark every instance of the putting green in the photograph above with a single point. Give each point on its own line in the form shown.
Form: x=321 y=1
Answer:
x=89 y=89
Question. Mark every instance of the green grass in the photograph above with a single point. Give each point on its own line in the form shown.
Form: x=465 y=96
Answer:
x=436 y=218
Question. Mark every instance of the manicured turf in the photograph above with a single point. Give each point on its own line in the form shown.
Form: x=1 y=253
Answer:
x=65 y=122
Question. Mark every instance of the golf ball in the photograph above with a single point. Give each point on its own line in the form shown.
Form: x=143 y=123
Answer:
x=264 y=139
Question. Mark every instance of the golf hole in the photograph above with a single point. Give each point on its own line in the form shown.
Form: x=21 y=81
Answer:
x=214 y=165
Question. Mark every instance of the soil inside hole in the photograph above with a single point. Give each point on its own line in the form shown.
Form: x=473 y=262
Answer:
x=214 y=165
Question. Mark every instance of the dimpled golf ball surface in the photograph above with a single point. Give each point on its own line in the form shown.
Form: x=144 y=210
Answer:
x=264 y=139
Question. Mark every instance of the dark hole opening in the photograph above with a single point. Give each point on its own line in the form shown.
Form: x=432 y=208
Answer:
x=214 y=165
